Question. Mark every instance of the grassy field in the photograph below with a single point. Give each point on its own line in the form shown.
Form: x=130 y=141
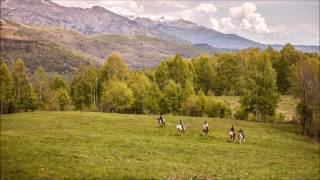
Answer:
x=84 y=145
x=286 y=106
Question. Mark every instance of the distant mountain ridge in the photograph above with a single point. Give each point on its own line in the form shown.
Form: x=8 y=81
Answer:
x=97 y=20
x=61 y=50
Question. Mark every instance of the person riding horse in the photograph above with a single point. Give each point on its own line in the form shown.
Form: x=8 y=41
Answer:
x=241 y=136
x=161 y=120
x=205 y=128
x=232 y=134
x=182 y=125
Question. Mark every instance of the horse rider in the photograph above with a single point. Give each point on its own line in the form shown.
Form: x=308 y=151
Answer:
x=206 y=125
x=161 y=118
x=182 y=125
x=241 y=132
x=232 y=130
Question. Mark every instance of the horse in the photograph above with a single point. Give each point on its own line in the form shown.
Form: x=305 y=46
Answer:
x=240 y=138
x=232 y=136
x=162 y=122
x=205 y=130
x=180 y=129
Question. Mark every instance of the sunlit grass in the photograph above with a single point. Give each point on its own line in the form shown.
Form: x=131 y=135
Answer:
x=84 y=145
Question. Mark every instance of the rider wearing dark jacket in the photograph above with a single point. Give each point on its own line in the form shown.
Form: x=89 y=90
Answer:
x=232 y=129
x=161 y=117
x=182 y=125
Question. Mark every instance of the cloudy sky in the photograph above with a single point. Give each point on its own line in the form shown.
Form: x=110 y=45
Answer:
x=270 y=21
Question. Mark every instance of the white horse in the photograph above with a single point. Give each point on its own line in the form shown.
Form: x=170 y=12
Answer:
x=232 y=136
x=240 y=138
x=205 y=130
x=162 y=122
x=180 y=129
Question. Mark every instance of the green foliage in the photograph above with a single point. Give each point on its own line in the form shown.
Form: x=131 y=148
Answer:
x=261 y=95
x=193 y=107
x=30 y=102
x=21 y=84
x=146 y=96
x=179 y=71
x=6 y=88
x=171 y=99
x=41 y=85
x=217 y=109
x=114 y=68
x=283 y=66
x=240 y=114
x=227 y=75
x=203 y=73
x=84 y=88
x=58 y=83
x=162 y=74
x=306 y=75
x=116 y=97
x=63 y=98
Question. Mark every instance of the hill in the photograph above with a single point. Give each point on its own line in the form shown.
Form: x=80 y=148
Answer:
x=70 y=47
x=85 y=20
x=84 y=145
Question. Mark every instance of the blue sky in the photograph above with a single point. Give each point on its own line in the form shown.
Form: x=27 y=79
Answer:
x=275 y=22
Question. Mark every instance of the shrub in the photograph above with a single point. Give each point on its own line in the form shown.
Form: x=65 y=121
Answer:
x=192 y=107
x=240 y=114
x=217 y=109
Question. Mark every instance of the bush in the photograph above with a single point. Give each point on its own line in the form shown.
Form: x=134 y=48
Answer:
x=241 y=114
x=192 y=107
x=217 y=109
x=252 y=117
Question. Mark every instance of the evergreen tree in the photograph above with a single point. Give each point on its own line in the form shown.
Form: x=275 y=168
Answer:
x=6 y=88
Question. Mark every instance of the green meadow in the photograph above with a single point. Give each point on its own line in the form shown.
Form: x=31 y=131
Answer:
x=89 y=145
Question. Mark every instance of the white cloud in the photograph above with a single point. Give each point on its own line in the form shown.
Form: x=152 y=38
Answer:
x=206 y=8
x=226 y=25
x=249 y=19
x=215 y=23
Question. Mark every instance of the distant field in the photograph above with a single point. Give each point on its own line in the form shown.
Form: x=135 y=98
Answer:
x=84 y=145
x=286 y=106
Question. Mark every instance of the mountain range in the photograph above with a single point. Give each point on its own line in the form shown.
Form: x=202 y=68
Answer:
x=90 y=34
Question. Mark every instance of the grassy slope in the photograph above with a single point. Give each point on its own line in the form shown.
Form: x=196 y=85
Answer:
x=75 y=145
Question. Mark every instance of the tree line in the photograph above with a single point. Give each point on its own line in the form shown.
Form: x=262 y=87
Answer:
x=177 y=86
